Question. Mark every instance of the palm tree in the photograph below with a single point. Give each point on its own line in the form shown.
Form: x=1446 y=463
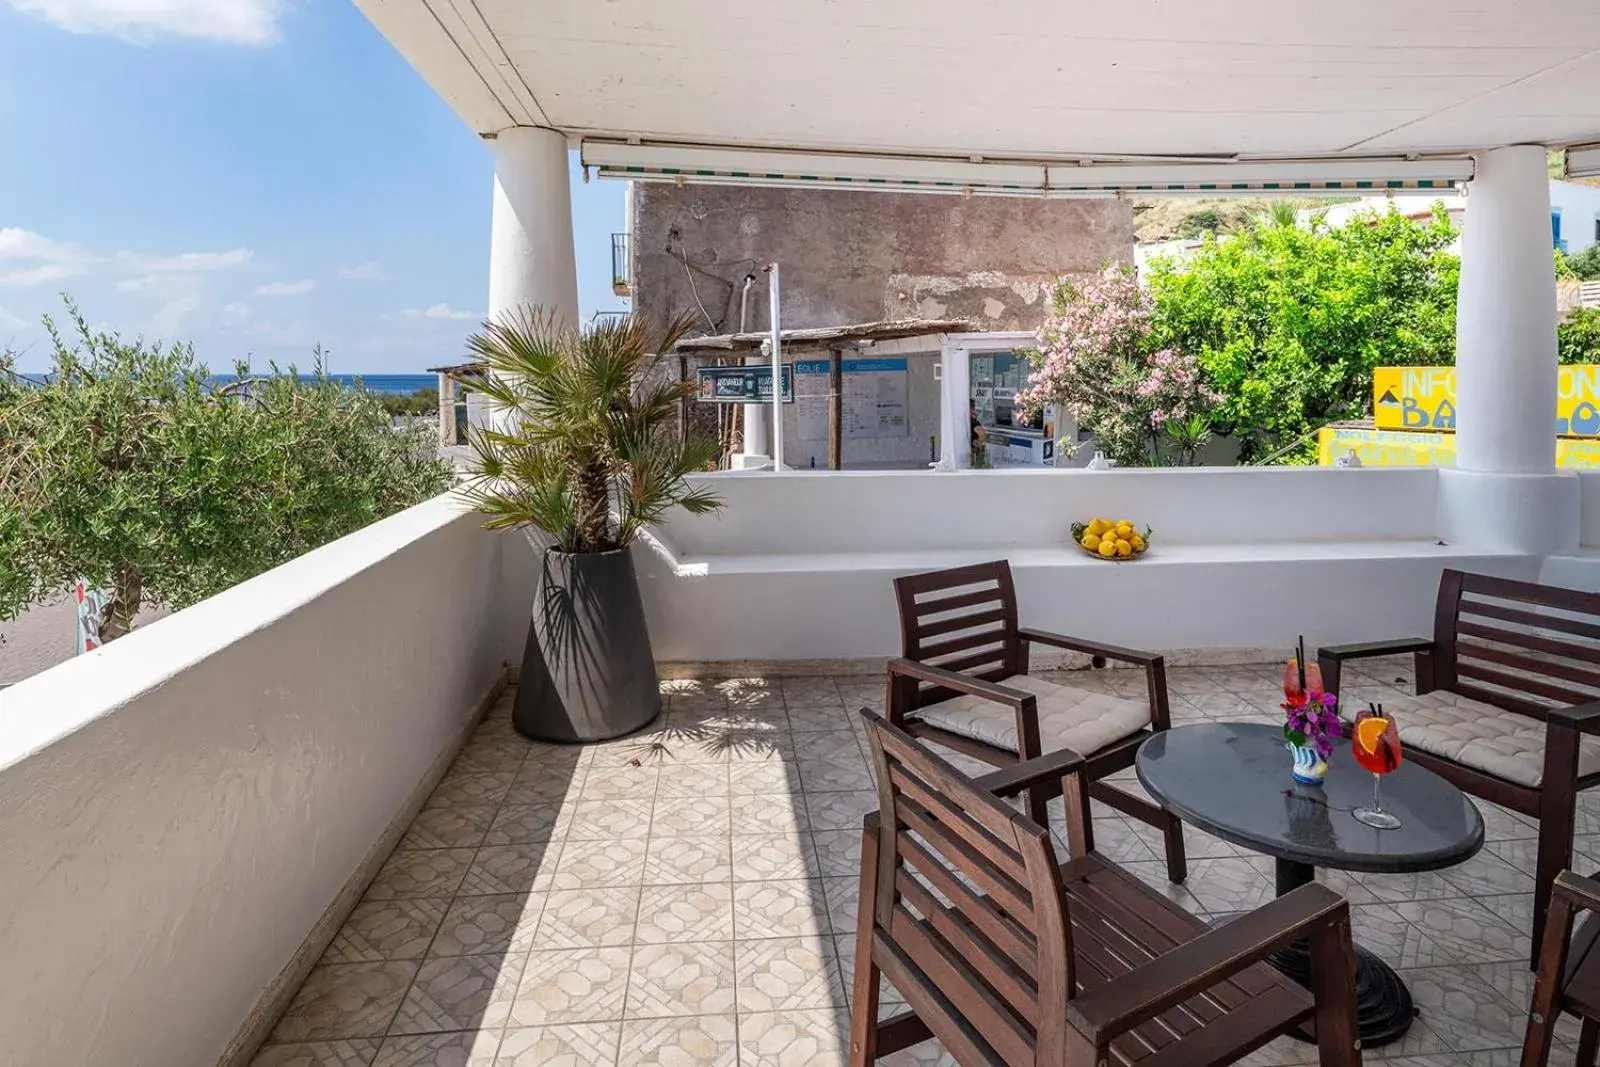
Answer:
x=1283 y=213
x=588 y=449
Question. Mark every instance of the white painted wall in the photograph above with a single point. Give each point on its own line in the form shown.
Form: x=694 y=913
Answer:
x=1580 y=213
x=799 y=567
x=179 y=808
x=913 y=511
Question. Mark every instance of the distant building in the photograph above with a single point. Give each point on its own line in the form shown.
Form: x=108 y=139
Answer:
x=1574 y=212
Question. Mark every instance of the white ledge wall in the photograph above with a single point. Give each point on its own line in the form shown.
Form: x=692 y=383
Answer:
x=178 y=809
x=799 y=566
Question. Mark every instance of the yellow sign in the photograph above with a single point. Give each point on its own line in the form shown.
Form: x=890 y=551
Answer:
x=1393 y=448
x=1424 y=398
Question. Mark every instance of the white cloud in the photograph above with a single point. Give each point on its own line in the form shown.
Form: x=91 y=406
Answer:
x=171 y=318
x=247 y=22
x=46 y=272
x=161 y=286
x=188 y=261
x=440 y=311
x=25 y=244
x=299 y=288
x=49 y=260
x=363 y=272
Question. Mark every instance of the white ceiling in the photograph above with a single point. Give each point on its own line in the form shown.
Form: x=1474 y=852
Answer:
x=1027 y=78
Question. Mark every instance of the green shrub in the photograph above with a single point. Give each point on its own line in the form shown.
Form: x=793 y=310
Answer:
x=128 y=469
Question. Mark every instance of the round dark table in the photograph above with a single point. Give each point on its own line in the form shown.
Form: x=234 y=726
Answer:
x=1232 y=780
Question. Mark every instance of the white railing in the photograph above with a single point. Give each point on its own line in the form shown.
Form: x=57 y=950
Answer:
x=1589 y=294
x=181 y=809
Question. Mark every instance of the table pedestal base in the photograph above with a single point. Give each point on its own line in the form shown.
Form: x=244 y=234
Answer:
x=1383 y=1003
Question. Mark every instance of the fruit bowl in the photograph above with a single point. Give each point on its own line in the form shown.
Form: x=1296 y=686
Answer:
x=1124 y=538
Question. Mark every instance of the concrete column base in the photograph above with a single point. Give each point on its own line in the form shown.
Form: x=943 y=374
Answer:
x=1536 y=514
x=750 y=462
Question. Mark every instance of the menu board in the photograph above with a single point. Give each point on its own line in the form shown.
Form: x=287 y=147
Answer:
x=875 y=402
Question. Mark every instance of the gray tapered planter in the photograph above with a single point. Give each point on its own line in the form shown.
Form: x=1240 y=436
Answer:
x=587 y=670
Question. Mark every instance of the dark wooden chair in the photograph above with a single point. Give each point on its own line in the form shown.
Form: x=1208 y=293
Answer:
x=1506 y=701
x=1568 y=972
x=1008 y=957
x=963 y=683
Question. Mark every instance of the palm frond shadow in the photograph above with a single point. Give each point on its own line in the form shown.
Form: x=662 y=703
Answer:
x=675 y=743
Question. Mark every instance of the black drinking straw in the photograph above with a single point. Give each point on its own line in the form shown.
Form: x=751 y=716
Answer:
x=1300 y=660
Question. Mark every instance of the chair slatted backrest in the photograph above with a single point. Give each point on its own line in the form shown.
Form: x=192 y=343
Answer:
x=970 y=921
x=963 y=620
x=1518 y=645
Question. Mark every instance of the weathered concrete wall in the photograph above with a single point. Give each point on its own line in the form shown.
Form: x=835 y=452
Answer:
x=861 y=256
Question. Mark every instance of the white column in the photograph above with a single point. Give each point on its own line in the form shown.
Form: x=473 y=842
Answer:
x=1504 y=492
x=756 y=452
x=955 y=396
x=531 y=258
x=1506 y=318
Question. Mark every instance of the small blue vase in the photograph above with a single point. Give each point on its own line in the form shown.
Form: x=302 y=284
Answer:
x=1309 y=768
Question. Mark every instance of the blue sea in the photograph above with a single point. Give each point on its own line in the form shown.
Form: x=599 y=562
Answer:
x=404 y=384
x=375 y=383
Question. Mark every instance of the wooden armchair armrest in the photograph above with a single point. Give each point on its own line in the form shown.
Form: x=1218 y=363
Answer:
x=1174 y=977
x=1585 y=718
x=1024 y=705
x=962 y=683
x=1093 y=648
x=1330 y=659
x=1583 y=893
x=1041 y=770
x=1369 y=649
x=1155 y=667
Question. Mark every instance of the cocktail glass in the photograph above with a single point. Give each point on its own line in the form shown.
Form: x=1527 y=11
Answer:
x=1376 y=744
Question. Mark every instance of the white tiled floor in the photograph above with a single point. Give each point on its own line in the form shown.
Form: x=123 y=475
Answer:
x=687 y=896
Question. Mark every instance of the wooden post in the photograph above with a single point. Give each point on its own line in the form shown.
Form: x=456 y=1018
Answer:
x=835 y=410
x=683 y=405
x=447 y=410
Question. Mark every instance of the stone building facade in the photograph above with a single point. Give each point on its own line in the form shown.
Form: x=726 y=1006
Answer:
x=851 y=256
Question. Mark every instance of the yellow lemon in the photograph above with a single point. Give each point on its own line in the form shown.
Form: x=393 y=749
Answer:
x=1137 y=542
x=1091 y=541
x=1123 y=548
x=1108 y=548
x=1097 y=527
x=1124 y=530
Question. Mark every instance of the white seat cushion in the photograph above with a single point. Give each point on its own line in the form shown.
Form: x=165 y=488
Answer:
x=1071 y=718
x=1481 y=736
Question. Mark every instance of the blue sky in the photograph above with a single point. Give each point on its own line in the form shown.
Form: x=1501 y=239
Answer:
x=252 y=175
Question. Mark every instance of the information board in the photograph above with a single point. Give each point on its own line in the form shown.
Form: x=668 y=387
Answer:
x=1424 y=398
x=742 y=385
x=875 y=402
x=1398 y=448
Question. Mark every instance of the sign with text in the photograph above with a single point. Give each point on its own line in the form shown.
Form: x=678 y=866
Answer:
x=874 y=403
x=1424 y=399
x=742 y=385
x=1398 y=448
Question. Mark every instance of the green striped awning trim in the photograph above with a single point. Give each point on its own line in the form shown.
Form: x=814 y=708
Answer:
x=1362 y=185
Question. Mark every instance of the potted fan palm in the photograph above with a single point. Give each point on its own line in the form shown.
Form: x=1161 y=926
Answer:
x=587 y=452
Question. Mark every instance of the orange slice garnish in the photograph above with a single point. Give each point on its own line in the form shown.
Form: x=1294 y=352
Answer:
x=1370 y=731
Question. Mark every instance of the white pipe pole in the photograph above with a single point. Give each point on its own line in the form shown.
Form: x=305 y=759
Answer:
x=777 y=371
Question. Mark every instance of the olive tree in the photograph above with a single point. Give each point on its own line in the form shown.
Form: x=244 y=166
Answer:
x=126 y=466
